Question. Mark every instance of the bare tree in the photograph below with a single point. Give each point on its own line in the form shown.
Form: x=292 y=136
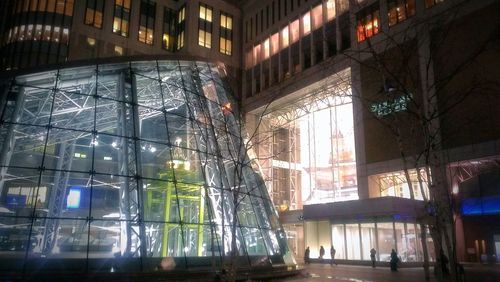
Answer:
x=412 y=83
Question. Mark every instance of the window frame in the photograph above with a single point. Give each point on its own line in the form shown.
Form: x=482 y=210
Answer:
x=226 y=34
x=122 y=13
x=91 y=15
x=205 y=25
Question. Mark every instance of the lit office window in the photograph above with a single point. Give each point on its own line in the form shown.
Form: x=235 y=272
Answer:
x=63 y=7
x=330 y=10
x=256 y=54
x=294 y=31
x=65 y=36
x=181 y=26
x=91 y=41
x=317 y=17
x=121 y=18
x=306 y=23
x=147 y=21
x=68 y=9
x=226 y=34
x=284 y=37
x=367 y=22
x=430 y=3
x=59 y=6
x=94 y=12
x=275 y=43
x=118 y=50
x=168 y=37
x=266 y=49
x=400 y=10
x=205 y=26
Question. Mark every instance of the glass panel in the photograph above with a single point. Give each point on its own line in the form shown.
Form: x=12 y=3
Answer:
x=131 y=167
x=402 y=241
x=294 y=31
x=338 y=240
x=306 y=23
x=368 y=239
x=410 y=249
x=353 y=243
x=104 y=239
x=385 y=240
x=317 y=16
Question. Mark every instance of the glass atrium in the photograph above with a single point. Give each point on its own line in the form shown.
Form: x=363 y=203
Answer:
x=136 y=161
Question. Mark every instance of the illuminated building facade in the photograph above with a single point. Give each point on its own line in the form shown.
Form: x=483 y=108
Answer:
x=312 y=88
x=298 y=69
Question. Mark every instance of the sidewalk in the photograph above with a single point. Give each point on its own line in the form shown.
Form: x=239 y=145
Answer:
x=325 y=272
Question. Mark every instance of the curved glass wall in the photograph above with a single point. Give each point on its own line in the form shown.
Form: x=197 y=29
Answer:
x=137 y=161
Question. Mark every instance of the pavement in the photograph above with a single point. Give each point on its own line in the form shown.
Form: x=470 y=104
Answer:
x=352 y=273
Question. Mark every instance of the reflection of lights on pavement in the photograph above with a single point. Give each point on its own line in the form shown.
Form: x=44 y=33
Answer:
x=314 y=275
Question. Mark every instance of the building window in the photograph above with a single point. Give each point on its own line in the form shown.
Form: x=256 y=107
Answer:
x=430 y=3
x=91 y=41
x=400 y=10
x=226 y=34
x=275 y=44
x=330 y=10
x=395 y=184
x=367 y=22
x=310 y=158
x=205 y=26
x=306 y=23
x=63 y=7
x=147 y=21
x=285 y=37
x=317 y=17
x=94 y=12
x=118 y=50
x=168 y=37
x=121 y=18
x=181 y=26
x=294 y=31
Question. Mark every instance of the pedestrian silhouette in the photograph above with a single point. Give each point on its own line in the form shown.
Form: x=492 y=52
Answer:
x=306 y=255
x=332 y=254
x=321 y=252
x=394 y=260
x=372 y=256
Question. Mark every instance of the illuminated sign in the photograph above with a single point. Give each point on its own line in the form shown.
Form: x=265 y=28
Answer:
x=73 y=201
x=396 y=105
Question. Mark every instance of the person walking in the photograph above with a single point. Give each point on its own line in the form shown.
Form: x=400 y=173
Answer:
x=444 y=263
x=394 y=260
x=306 y=255
x=372 y=256
x=321 y=252
x=332 y=254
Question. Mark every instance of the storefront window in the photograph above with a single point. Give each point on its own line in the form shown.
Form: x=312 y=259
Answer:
x=295 y=237
x=318 y=234
x=338 y=240
x=385 y=240
x=353 y=243
x=368 y=239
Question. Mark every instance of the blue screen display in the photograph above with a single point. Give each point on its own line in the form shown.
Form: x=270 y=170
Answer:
x=73 y=200
x=481 y=206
